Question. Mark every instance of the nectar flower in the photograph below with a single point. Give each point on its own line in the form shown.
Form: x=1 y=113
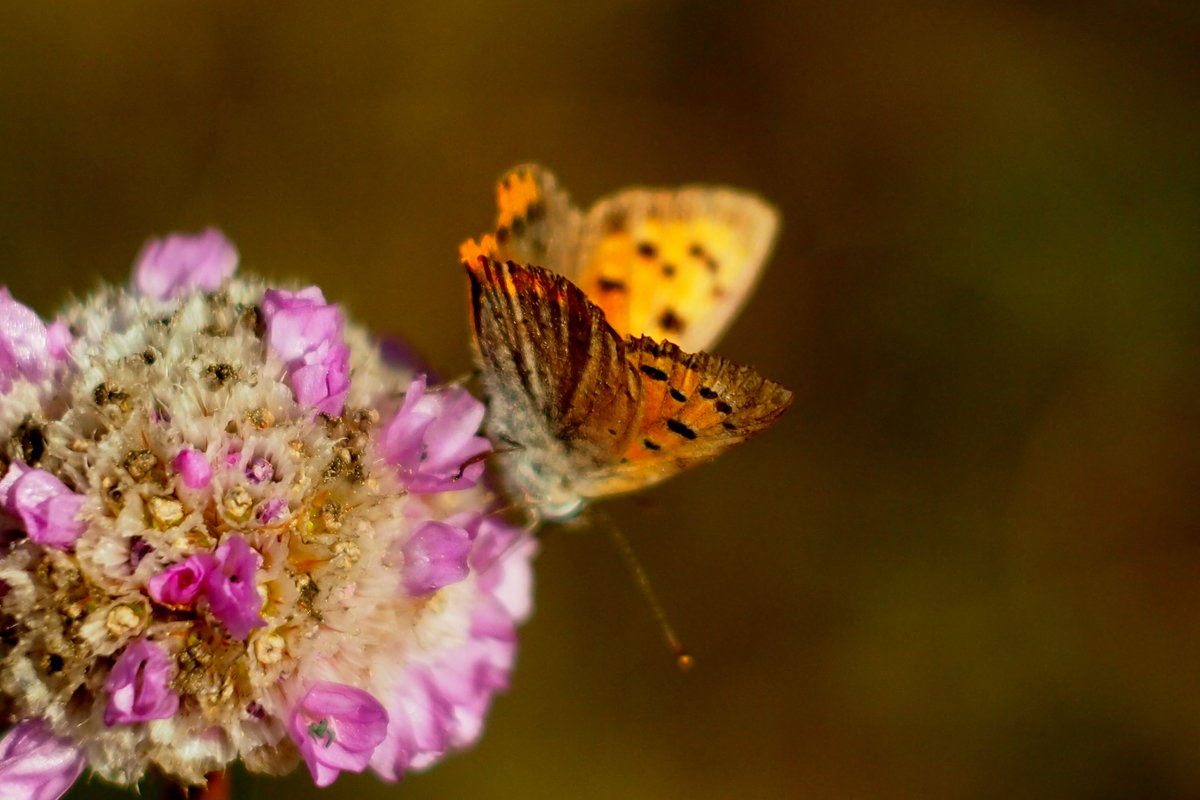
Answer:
x=435 y=556
x=248 y=536
x=181 y=584
x=432 y=439
x=176 y=264
x=137 y=686
x=306 y=332
x=35 y=764
x=337 y=728
x=231 y=589
x=24 y=342
x=193 y=468
x=48 y=509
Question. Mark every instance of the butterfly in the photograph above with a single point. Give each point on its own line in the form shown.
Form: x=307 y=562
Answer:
x=671 y=264
x=586 y=412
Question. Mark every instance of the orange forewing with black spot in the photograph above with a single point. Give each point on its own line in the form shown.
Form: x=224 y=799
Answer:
x=673 y=264
x=587 y=413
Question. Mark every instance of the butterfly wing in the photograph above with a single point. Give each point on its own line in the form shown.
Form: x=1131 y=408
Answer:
x=588 y=413
x=674 y=264
x=535 y=222
x=695 y=407
x=561 y=392
x=669 y=264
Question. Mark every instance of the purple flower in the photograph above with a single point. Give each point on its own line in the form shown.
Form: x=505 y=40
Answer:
x=337 y=727
x=432 y=439
x=419 y=722
x=58 y=339
x=435 y=556
x=181 y=584
x=306 y=332
x=193 y=468
x=231 y=587
x=259 y=470
x=35 y=764
x=271 y=509
x=181 y=263
x=46 y=507
x=24 y=342
x=138 y=686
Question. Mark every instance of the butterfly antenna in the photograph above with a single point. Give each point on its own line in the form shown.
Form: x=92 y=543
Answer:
x=683 y=659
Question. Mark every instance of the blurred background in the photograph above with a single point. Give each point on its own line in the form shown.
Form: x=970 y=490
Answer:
x=963 y=565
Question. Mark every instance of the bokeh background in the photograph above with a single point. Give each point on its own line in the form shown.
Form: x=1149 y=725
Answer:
x=963 y=565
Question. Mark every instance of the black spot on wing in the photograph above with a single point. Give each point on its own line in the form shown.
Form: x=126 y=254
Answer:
x=611 y=285
x=675 y=426
x=678 y=395
x=707 y=393
x=724 y=407
x=646 y=250
x=649 y=445
x=654 y=373
x=670 y=321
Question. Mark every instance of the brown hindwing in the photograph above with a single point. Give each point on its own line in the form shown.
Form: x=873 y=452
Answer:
x=536 y=330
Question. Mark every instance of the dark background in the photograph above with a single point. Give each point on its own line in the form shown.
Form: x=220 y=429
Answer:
x=963 y=565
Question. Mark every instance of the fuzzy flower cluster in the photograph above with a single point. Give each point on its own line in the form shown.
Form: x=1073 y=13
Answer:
x=230 y=529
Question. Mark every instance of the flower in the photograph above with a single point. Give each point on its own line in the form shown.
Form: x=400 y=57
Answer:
x=306 y=332
x=181 y=584
x=432 y=439
x=23 y=341
x=35 y=764
x=435 y=556
x=137 y=685
x=337 y=727
x=231 y=589
x=169 y=267
x=193 y=468
x=48 y=509
x=247 y=536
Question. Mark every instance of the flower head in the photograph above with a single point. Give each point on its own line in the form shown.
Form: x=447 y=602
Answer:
x=239 y=541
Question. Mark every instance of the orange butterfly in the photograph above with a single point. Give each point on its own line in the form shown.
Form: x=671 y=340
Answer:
x=589 y=400
x=589 y=413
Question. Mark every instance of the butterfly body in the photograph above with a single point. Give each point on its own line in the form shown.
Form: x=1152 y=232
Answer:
x=583 y=412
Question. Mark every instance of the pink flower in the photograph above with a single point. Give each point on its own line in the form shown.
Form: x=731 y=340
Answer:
x=181 y=584
x=432 y=439
x=46 y=507
x=24 y=342
x=35 y=764
x=419 y=722
x=182 y=263
x=193 y=468
x=138 y=686
x=231 y=588
x=58 y=339
x=259 y=470
x=337 y=727
x=436 y=556
x=306 y=332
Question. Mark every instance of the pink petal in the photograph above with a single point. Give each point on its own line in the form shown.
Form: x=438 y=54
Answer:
x=35 y=764
x=193 y=468
x=181 y=263
x=138 y=686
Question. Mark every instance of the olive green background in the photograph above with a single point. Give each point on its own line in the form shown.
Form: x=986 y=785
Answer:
x=963 y=565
